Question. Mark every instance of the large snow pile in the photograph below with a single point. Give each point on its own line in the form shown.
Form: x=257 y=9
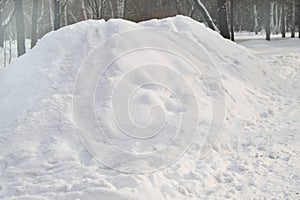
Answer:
x=81 y=116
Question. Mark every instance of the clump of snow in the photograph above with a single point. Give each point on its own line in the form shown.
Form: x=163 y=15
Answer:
x=43 y=157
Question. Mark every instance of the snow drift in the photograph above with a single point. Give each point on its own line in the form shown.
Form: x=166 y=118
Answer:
x=42 y=156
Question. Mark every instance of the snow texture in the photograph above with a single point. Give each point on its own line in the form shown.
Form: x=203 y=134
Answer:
x=48 y=150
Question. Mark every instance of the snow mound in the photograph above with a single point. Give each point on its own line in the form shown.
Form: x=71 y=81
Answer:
x=88 y=102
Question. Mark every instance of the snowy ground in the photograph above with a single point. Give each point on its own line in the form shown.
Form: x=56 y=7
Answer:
x=256 y=157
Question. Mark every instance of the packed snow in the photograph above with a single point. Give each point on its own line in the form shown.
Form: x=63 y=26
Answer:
x=81 y=115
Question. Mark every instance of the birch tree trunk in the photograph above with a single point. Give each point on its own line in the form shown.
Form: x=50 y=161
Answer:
x=206 y=16
x=272 y=18
x=51 y=15
x=83 y=10
x=255 y=20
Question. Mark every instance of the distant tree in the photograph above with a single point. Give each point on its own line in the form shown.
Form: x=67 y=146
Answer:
x=256 y=27
x=58 y=10
x=20 y=27
x=283 y=15
x=231 y=20
x=267 y=19
x=34 y=20
x=96 y=7
x=4 y=20
x=293 y=19
x=222 y=18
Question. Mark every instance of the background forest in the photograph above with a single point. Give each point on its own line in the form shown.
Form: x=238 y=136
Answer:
x=32 y=19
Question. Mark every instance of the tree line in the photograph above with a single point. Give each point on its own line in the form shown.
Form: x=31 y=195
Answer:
x=31 y=19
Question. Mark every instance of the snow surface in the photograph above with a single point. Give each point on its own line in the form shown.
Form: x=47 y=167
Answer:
x=48 y=150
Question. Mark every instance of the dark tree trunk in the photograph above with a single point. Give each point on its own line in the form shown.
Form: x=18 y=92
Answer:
x=267 y=20
x=1 y=29
x=231 y=20
x=206 y=15
x=283 y=18
x=222 y=19
x=34 y=23
x=56 y=14
x=293 y=18
x=20 y=27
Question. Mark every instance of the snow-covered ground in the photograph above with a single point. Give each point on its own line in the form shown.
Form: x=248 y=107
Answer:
x=244 y=36
x=81 y=115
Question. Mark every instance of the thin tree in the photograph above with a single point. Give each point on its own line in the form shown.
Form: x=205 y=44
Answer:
x=255 y=19
x=34 y=20
x=267 y=20
x=298 y=20
x=293 y=19
x=96 y=7
x=4 y=22
x=20 y=27
x=283 y=18
x=58 y=12
x=231 y=20
x=272 y=26
x=222 y=19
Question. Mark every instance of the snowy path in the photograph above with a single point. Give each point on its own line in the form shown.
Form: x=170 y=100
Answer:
x=271 y=154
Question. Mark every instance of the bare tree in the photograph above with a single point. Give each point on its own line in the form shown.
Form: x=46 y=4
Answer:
x=96 y=7
x=293 y=18
x=34 y=22
x=283 y=18
x=20 y=27
x=255 y=19
x=267 y=20
x=231 y=20
x=58 y=10
x=222 y=19
x=206 y=15
x=83 y=10
x=272 y=26
x=4 y=22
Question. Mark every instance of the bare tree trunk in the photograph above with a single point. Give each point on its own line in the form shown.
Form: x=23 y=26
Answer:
x=111 y=9
x=231 y=20
x=191 y=12
x=255 y=19
x=4 y=22
x=4 y=54
x=293 y=18
x=206 y=16
x=83 y=10
x=51 y=16
x=267 y=20
x=124 y=9
x=1 y=28
x=222 y=19
x=276 y=18
x=272 y=17
x=120 y=4
x=10 y=48
x=298 y=20
x=34 y=23
x=20 y=27
x=56 y=14
x=283 y=18
x=65 y=16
